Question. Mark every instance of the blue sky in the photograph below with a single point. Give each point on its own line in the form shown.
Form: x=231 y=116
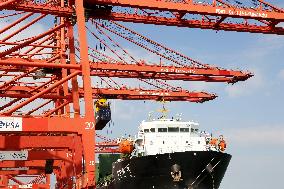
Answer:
x=250 y=114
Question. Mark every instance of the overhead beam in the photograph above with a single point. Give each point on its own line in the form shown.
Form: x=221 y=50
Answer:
x=194 y=8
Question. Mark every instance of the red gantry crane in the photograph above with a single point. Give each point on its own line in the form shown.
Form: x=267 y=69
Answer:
x=58 y=56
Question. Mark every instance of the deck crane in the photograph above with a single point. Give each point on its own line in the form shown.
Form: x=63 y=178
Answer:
x=40 y=71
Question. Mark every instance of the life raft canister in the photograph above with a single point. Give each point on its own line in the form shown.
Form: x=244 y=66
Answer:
x=126 y=146
x=222 y=145
x=213 y=142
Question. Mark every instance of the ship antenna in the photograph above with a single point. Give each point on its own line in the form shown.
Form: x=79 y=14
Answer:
x=150 y=116
x=179 y=117
x=164 y=110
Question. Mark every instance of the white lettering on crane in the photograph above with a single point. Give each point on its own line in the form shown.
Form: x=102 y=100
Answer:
x=177 y=70
x=154 y=93
x=242 y=13
x=26 y=186
x=89 y=125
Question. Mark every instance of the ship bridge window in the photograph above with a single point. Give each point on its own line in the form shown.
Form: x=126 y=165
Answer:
x=173 y=129
x=194 y=130
x=152 y=130
x=146 y=130
x=161 y=130
x=184 y=130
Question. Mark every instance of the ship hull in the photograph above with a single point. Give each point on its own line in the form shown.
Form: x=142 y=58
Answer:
x=195 y=170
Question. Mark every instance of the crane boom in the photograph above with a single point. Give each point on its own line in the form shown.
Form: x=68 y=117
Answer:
x=139 y=70
x=261 y=17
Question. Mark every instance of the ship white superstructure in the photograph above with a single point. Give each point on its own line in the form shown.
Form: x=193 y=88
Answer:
x=169 y=136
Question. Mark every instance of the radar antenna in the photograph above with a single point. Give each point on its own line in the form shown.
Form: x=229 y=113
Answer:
x=164 y=110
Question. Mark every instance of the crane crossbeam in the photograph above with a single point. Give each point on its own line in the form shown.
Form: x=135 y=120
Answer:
x=33 y=163
x=155 y=71
x=264 y=18
x=48 y=7
x=113 y=93
x=158 y=95
x=199 y=8
x=139 y=70
x=196 y=23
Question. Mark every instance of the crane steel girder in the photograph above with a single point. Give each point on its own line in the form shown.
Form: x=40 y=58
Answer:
x=114 y=93
x=191 y=7
x=194 y=15
x=210 y=74
x=27 y=142
x=141 y=70
x=39 y=7
x=40 y=164
x=140 y=94
x=22 y=172
x=194 y=23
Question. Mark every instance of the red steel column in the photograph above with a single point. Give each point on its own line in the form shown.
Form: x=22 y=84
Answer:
x=75 y=87
x=89 y=136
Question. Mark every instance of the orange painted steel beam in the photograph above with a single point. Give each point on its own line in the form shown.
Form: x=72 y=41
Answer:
x=17 y=78
x=13 y=49
x=32 y=45
x=258 y=14
x=37 y=108
x=143 y=70
x=40 y=164
x=195 y=8
x=194 y=23
x=23 y=27
x=216 y=16
x=21 y=172
x=34 y=186
x=49 y=154
x=18 y=106
x=39 y=7
x=140 y=94
x=6 y=3
x=15 y=23
x=189 y=73
x=15 y=180
x=17 y=95
x=84 y=60
x=49 y=113
x=74 y=81
x=9 y=103
x=115 y=93
x=27 y=142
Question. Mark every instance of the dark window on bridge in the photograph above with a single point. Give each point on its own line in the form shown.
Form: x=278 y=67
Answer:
x=184 y=130
x=162 y=130
x=152 y=130
x=173 y=129
x=146 y=130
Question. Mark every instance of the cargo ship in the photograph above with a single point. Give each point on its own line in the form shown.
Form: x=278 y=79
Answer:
x=166 y=154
